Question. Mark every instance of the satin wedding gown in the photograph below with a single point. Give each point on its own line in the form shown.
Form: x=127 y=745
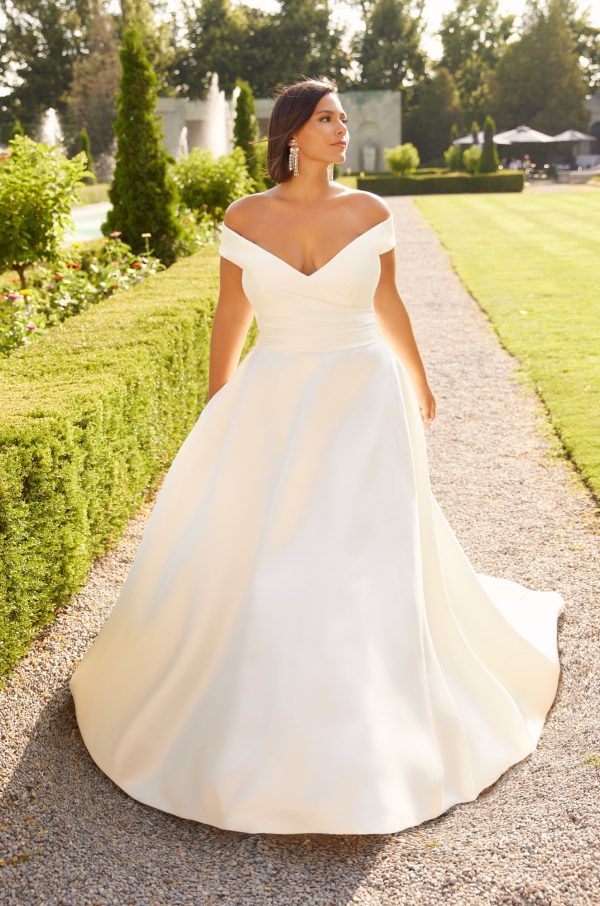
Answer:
x=301 y=644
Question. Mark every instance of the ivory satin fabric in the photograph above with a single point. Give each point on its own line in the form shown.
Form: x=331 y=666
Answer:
x=301 y=644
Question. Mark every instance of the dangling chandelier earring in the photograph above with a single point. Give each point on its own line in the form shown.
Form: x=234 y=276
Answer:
x=330 y=171
x=294 y=154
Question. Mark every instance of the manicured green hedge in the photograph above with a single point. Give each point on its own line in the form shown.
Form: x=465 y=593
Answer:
x=503 y=181
x=91 y=416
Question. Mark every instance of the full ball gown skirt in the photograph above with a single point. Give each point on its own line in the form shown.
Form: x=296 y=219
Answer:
x=301 y=644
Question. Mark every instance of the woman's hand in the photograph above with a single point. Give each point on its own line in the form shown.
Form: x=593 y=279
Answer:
x=426 y=402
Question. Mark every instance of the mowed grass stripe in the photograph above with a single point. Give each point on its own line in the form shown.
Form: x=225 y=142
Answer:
x=531 y=262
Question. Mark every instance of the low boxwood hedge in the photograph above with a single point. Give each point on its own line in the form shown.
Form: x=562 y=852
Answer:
x=91 y=416
x=502 y=181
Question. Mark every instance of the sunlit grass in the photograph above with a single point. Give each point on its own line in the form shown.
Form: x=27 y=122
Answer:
x=531 y=262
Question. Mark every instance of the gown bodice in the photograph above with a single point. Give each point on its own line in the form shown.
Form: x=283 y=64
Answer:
x=330 y=309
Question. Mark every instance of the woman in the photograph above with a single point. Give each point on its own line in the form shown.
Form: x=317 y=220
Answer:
x=301 y=644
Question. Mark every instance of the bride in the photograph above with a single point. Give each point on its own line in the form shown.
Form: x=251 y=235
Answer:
x=301 y=644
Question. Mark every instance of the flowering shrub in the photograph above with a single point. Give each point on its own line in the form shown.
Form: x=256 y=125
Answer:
x=67 y=286
x=38 y=187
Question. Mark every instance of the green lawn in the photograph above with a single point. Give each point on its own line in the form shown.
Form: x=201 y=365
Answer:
x=532 y=263
x=90 y=194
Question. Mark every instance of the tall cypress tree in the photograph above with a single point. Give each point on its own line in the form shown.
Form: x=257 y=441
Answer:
x=142 y=192
x=84 y=144
x=245 y=129
x=489 y=156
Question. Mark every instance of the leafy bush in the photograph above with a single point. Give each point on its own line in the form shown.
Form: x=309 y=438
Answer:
x=402 y=159
x=454 y=158
x=38 y=188
x=208 y=185
x=90 y=418
x=471 y=158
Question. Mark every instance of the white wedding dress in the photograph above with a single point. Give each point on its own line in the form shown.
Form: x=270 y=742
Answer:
x=301 y=644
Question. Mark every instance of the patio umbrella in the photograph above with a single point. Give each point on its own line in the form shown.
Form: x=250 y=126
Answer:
x=522 y=135
x=573 y=135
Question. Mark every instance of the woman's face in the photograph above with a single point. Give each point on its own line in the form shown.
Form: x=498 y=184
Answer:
x=325 y=135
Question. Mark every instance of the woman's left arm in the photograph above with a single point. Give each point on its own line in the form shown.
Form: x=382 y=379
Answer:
x=396 y=329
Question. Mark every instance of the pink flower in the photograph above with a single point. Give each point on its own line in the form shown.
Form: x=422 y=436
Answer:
x=30 y=327
x=12 y=296
x=115 y=234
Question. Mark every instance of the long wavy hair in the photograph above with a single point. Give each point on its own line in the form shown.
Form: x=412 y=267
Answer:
x=294 y=105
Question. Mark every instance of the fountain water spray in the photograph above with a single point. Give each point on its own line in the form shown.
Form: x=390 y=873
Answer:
x=50 y=130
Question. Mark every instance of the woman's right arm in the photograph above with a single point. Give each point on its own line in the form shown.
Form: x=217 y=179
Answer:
x=232 y=319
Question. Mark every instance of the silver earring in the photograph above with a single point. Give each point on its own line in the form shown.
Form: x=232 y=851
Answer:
x=330 y=171
x=294 y=154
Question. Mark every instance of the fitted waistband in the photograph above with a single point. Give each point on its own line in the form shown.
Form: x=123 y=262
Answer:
x=317 y=337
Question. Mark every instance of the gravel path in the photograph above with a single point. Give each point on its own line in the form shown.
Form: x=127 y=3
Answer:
x=68 y=835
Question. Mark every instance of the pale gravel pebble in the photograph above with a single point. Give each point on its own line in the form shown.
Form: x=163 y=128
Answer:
x=70 y=836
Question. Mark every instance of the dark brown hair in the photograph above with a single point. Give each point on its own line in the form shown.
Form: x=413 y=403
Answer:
x=294 y=105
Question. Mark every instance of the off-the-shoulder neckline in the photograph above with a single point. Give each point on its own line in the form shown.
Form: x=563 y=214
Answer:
x=323 y=266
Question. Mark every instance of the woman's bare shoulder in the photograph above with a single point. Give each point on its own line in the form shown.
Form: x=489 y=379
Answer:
x=368 y=205
x=243 y=211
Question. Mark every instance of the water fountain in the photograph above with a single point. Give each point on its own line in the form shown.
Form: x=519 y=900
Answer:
x=182 y=144
x=215 y=134
x=50 y=130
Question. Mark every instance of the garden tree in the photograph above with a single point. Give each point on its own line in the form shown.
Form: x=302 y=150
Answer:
x=158 y=29
x=38 y=188
x=142 y=191
x=265 y=49
x=91 y=99
x=245 y=129
x=255 y=49
x=474 y=37
x=454 y=133
x=389 y=51
x=304 y=42
x=39 y=42
x=475 y=132
x=587 y=41
x=429 y=124
x=86 y=147
x=489 y=160
x=539 y=80
x=213 y=37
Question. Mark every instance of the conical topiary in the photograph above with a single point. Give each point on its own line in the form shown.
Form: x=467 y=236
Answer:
x=245 y=128
x=84 y=144
x=143 y=193
x=489 y=161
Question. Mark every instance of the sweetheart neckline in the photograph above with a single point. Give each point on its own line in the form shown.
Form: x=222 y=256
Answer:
x=323 y=266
